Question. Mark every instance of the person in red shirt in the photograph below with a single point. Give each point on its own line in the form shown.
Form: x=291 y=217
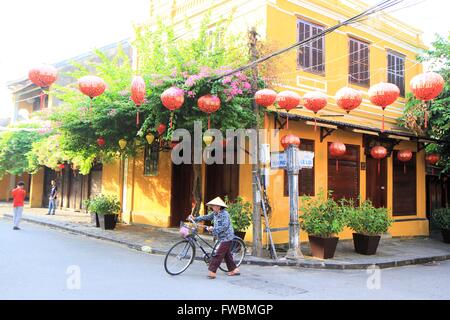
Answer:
x=18 y=198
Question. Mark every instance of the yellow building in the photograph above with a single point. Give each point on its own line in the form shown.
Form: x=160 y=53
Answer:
x=381 y=49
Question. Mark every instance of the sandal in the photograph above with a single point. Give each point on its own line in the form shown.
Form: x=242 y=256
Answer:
x=235 y=272
x=211 y=276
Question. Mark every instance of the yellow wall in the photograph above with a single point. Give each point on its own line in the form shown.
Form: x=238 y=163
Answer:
x=5 y=188
x=37 y=189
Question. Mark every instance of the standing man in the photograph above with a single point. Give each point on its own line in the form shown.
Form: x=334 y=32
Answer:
x=18 y=198
x=52 y=199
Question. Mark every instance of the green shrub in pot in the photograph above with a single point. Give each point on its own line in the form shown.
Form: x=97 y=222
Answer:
x=106 y=207
x=240 y=212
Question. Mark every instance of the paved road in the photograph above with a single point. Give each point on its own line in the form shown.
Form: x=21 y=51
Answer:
x=41 y=263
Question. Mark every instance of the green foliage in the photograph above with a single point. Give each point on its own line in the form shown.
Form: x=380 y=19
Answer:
x=322 y=217
x=103 y=204
x=240 y=213
x=366 y=219
x=441 y=218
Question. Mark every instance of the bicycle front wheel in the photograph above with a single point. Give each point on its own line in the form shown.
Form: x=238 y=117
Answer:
x=179 y=257
x=238 y=250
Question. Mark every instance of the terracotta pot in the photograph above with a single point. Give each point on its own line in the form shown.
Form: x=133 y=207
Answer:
x=240 y=234
x=445 y=235
x=323 y=248
x=365 y=244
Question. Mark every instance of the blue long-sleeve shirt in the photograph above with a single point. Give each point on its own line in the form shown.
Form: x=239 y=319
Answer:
x=223 y=228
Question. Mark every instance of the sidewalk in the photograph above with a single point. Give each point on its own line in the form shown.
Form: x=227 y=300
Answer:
x=156 y=240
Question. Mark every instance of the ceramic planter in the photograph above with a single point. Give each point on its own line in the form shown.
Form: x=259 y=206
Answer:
x=445 y=235
x=365 y=244
x=323 y=248
x=107 y=221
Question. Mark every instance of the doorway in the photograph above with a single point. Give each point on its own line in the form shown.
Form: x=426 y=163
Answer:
x=222 y=180
x=376 y=183
x=181 y=199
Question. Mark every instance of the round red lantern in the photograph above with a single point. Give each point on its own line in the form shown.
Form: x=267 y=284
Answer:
x=289 y=139
x=43 y=76
x=348 y=99
x=138 y=93
x=92 y=86
x=101 y=141
x=315 y=101
x=288 y=100
x=161 y=128
x=337 y=149
x=378 y=152
x=61 y=166
x=209 y=104
x=265 y=97
x=383 y=94
x=432 y=159
x=404 y=156
x=172 y=99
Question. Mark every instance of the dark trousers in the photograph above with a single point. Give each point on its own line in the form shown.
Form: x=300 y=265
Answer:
x=224 y=252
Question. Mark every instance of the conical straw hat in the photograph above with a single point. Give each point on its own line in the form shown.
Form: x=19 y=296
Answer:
x=217 y=202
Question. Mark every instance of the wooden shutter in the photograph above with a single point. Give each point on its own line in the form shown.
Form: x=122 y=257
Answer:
x=396 y=70
x=311 y=55
x=345 y=182
x=305 y=176
x=404 y=187
x=359 y=62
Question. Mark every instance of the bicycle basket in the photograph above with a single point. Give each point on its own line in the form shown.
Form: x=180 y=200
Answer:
x=185 y=230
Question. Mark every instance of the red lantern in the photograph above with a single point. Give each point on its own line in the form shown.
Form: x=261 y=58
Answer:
x=265 y=97
x=315 y=101
x=138 y=93
x=432 y=159
x=289 y=139
x=61 y=166
x=378 y=152
x=92 y=86
x=404 y=156
x=161 y=128
x=348 y=98
x=427 y=86
x=209 y=104
x=383 y=94
x=288 y=100
x=101 y=141
x=337 y=149
x=172 y=99
x=43 y=76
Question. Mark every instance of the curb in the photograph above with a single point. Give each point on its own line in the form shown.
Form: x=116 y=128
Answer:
x=250 y=260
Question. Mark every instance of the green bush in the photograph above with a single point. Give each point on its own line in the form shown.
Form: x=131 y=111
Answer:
x=322 y=217
x=104 y=204
x=366 y=219
x=240 y=212
x=441 y=218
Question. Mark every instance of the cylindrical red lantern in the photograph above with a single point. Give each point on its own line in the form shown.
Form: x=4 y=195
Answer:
x=43 y=76
x=92 y=86
x=289 y=139
x=288 y=100
x=315 y=101
x=61 y=166
x=383 y=94
x=404 y=156
x=265 y=97
x=101 y=141
x=432 y=159
x=348 y=99
x=427 y=86
x=378 y=152
x=337 y=149
x=172 y=99
x=209 y=104
x=138 y=94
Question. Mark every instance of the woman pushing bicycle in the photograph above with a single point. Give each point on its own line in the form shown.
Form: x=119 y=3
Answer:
x=223 y=230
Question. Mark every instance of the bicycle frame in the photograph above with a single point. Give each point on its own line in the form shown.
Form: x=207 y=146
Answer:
x=194 y=238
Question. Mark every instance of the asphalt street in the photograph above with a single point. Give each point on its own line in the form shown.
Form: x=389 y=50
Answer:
x=42 y=263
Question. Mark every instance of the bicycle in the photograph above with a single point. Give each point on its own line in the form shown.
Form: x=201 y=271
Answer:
x=182 y=253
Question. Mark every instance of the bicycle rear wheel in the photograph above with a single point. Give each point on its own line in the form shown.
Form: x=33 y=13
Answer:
x=238 y=250
x=179 y=257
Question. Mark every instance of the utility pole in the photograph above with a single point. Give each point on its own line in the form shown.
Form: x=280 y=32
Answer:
x=256 y=215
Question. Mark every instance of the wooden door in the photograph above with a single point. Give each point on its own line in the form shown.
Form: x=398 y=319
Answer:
x=95 y=181
x=181 y=194
x=50 y=175
x=404 y=195
x=222 y=180
x=376 y=183
x=75 y=190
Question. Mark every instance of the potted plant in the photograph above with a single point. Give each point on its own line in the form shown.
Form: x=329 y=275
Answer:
x=106 y=207
x=240 y=212
x=441 y=218
x=322 y=219
x=368 y=223
x=94 y=216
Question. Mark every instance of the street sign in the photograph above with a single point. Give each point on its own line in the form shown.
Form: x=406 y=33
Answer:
x=278 y=160
x=306 y=159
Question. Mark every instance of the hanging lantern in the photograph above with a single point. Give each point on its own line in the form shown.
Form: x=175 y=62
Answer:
x=209 y=104
x=288 y=100
x=138 y=94
x=427 y=86
x=91 y=86
x=61 y=166
x=289 y=139
x=315 y=101
x=161 y=129
x=43 y=76
x=383 y=94
x=101 y=141
x=265 y=97
x=404 y=156
x=337 y=149
x=172 y=99
x=432 y=159
x=348 y=99
x=150 y=138
x=207 y=139
x=122 y=143
x=378 y=152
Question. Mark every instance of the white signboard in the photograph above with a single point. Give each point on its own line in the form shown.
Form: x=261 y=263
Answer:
x=306 y=159
x=278 y=159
